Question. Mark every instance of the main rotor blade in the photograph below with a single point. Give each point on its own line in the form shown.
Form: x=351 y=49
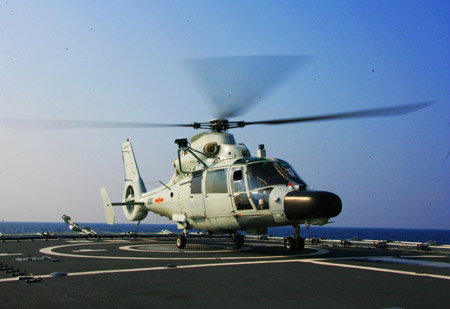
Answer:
x=58 y=124
x=378 y=112
x=233 y=84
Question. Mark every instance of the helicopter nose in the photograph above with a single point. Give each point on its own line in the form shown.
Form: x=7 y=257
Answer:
x=311 y=204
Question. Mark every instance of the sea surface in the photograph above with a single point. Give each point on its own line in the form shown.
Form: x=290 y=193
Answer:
x=340 y=233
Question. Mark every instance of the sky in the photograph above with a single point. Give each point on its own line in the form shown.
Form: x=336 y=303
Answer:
x=122 y=61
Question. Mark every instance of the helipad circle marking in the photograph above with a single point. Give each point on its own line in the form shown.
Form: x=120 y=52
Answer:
x=50 y=251
x=190 y=248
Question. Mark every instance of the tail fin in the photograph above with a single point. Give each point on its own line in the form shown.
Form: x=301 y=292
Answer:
x=134 y=186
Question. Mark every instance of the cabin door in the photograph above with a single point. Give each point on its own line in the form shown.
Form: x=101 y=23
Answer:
x=218 y=205
x=196 y=207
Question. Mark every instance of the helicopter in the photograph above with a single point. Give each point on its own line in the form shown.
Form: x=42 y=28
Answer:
x=217 y=184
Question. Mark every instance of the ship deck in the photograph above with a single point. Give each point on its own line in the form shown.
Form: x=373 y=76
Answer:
x=212 y=272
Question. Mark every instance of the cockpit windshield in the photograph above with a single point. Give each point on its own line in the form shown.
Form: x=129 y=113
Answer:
x=264 y=174
x=288 y=170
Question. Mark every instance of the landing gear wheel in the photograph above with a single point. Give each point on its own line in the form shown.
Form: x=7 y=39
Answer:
x=181 y=241
x=238 y=240
x=300 y=243
x=289 y=244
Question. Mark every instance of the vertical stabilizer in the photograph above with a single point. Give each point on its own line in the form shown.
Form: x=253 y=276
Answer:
x=131 y=169
x=132 y=175
x=134 y=186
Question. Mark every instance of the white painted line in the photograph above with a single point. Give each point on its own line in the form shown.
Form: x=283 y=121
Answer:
x=116 y=271
x=318 y=251
x=385 y=270
x=50 y=251
x=8 y=279
x=80 y=241
x=423 y=256
x=8 y=254
x=193 y=266
x=90 y=250
x=115 y=240
x=178 y=267
x=412 y=260
x=396 y=260
x=138 y=248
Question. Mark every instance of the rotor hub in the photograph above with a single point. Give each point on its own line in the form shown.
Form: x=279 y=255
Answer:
x=219 y=124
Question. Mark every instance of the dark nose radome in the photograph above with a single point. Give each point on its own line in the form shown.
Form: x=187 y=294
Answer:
x=311 y=204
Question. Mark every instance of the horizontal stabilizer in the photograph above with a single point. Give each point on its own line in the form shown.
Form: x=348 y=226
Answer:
x=107 y=206
x=128 y=204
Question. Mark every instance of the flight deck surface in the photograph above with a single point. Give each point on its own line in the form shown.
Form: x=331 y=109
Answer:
x=213 y=273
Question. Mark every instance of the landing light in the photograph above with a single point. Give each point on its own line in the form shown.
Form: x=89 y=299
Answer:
x=303 y=198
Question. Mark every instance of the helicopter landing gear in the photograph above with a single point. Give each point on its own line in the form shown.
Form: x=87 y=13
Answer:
x=181 y=241
x=238 y=240
x=296 y=242
x=289 y=244
x=300 y=243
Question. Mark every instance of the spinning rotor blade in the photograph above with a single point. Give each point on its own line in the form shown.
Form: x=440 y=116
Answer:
x=55 y=124
x=378 y=112
x=235 y=83
x=217 y=125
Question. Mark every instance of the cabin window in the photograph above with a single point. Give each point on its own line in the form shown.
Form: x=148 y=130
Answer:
x=237 y=175
x=196 y=185
x=216 y=181
x=238 y=183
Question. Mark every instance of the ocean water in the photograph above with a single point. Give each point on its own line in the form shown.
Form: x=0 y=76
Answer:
x=414 y=235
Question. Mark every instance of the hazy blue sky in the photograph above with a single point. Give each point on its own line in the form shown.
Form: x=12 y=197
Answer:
x=120 y=61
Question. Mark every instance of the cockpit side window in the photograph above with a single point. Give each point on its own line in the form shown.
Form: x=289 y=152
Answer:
x=216 y=181
x=239 y=189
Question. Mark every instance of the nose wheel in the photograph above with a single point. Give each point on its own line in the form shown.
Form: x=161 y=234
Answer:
x=296 y=242
x=300 y=243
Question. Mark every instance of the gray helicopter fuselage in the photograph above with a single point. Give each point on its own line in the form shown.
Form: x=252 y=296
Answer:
x=217 y=186
x=212 y=200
